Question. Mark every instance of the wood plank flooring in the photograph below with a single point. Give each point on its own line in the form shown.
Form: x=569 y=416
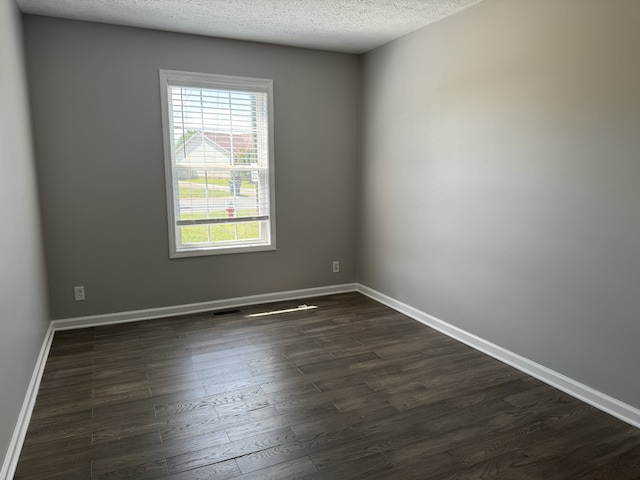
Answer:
x=349 y=390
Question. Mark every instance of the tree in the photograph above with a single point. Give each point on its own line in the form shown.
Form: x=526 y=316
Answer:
x=184 y=137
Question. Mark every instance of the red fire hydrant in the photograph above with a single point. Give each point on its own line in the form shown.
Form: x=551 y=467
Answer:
x=231 y=211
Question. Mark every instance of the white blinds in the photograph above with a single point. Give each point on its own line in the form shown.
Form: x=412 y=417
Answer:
x=220 y=146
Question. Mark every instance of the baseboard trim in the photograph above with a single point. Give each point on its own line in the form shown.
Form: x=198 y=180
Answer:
x=19 y=433
x=151 y=313
x=604 y=402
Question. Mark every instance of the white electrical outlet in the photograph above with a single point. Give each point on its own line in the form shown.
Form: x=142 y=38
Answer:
x=78 y=293
x=336 y=266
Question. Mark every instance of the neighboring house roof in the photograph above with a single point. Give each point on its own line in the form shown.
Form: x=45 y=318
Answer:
x=231 y=142
x=203 y=149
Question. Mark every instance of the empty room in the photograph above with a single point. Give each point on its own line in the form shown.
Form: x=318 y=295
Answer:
x=286 y=239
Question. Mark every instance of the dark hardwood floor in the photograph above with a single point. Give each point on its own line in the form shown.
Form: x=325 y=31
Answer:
x=349 y=390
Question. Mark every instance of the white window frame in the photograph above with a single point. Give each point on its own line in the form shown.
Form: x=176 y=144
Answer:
x=169 y=78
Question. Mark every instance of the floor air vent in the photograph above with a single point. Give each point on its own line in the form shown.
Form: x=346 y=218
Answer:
x=219 y=313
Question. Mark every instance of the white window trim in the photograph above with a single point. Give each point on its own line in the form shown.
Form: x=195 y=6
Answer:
x=173 y=77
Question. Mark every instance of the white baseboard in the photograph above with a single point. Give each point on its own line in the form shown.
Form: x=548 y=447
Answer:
x=19 y=433
x=151 y=313
x=612 y=406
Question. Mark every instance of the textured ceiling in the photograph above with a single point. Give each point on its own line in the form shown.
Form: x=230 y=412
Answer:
x=352 y=26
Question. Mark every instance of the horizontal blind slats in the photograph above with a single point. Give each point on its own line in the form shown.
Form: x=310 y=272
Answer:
x=222 y=136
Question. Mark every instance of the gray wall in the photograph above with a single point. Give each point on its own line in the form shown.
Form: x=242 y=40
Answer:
x=500 y=181
x=98 y=138
x=23 y=303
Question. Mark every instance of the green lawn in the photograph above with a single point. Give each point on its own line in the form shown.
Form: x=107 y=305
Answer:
x=221 y=232
x=201 y=192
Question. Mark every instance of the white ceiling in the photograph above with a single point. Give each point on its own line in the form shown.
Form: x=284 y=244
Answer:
x=352 y=26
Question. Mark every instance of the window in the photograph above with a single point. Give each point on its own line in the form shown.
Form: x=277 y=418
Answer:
x=218 y=142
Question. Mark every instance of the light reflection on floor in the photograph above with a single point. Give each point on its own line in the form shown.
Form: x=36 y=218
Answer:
x=299 y=308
